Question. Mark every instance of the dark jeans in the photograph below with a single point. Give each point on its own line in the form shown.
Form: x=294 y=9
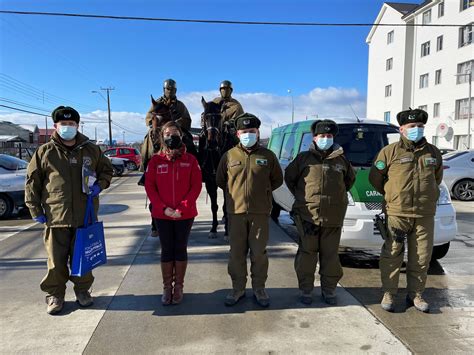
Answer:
x=174 y=238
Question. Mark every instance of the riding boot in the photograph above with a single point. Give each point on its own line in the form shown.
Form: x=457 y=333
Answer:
x=180 y=271
x=167 y=273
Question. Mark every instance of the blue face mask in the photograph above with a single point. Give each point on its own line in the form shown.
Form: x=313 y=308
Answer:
x=324 y=143
x=415 y=133
x=67 y=132
x=248 y=139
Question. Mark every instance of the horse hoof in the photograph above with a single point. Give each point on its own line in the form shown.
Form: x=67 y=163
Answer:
x=212 y=235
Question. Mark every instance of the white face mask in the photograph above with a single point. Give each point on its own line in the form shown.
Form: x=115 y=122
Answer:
x=248 y=139
x=67 y=132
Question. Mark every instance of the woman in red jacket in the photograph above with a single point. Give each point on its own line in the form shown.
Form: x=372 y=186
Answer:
x=173 y=183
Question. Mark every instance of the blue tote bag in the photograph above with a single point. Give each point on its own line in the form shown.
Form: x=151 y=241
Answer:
x=89 y=247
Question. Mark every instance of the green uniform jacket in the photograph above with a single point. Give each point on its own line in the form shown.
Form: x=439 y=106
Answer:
x=248 y=179
x=147 y=150
x=408 y=176
x=230 y=108
x=179 y=113
x=54 y=180
x=320 y=183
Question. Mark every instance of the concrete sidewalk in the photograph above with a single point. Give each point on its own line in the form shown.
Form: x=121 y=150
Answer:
x=128 y=317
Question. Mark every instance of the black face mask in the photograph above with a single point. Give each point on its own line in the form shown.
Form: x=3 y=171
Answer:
x=173 y=142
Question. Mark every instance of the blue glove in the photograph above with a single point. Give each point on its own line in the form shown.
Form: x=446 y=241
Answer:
x=40 y=219
x=95 y=190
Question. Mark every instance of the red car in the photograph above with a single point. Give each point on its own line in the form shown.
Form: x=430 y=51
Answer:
x=130 y=153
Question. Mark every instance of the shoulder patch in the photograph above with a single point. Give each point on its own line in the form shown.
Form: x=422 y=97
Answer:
x=380 y=164
x=261 y=161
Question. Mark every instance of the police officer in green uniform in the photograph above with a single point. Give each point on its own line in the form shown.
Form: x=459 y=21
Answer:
x=179 y=112
x=230 y=107
x=319 y=179
x=408 y=174
x=248 y=173
x=55 y=194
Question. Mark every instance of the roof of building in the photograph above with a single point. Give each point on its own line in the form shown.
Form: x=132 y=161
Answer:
x=423 y=4
x=9 y=128
x=11 y=139
x=42 y=131
x=30 y=127
x=402 y=7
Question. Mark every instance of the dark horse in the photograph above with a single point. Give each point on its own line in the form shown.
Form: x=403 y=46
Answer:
x=216 y=138
x=161 y=114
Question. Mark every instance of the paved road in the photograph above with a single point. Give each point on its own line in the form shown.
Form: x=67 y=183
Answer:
x=127 y=316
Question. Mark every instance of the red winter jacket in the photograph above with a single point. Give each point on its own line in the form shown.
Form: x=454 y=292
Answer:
x=175 y=184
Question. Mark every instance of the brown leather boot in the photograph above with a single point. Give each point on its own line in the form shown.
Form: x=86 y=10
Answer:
x=179 y=272
x=167 y=273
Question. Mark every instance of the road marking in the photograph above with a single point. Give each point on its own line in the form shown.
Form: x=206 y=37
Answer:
x=9 y=231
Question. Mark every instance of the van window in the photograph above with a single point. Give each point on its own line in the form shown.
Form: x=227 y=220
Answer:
x=288 y=146
x=362 y=143
x=306 y=142
x=275 y=144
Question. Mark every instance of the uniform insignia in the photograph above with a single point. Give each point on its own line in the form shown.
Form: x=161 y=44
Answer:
x=162 y=168
x=406 y=160
x=185 y=165
x=246 y=122
x=380 y=164
x=262 y=162
x=430 y=161
x=73 y=160
x=338 y=167
x=411 y=117
x=87 y=161
x=67 y=115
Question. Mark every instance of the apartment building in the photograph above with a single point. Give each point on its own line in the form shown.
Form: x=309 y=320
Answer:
x=424 y=67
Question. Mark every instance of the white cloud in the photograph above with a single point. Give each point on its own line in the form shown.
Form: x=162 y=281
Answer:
x=272 y=109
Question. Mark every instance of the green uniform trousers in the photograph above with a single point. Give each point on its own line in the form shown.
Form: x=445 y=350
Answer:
x=420 y=245
x=59 y=243
x=248 y=231
x=325 y=242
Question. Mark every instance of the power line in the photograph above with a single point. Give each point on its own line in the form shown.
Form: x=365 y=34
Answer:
x=226 y=22
x=19 y=103
x=21 y=110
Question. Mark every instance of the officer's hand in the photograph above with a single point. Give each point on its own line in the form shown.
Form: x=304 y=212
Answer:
x=169 y=212
x=94 y=190
x=40 y=219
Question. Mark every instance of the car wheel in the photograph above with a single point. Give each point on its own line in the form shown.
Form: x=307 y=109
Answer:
x=440 y=251
x=464 y=190
x=131 y=166
x=276 y=209
x=6 y=206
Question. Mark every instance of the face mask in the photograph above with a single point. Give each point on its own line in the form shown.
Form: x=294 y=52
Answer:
x=248 y=139
x=173 y=142
x=415 y=133
x=324 y=143
x=67 y=132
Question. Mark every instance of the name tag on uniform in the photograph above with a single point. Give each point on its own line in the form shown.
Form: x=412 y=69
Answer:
x=406 y=160
x=430 y=161
x=184 y=165
x=339 y=168
x=162 y=169
x=73 y=160
x=262 y=162
x=234 y=163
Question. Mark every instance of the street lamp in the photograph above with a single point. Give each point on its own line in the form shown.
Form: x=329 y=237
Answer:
x=469 y=76
x=108 y=108
x=123 y=137
x=292 y=106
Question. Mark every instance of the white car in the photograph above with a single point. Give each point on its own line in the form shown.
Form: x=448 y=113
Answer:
x=12 y=184
x=459 y=174
x=362 y=140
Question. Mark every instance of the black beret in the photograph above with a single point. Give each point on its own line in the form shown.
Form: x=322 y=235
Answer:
x=247 y=120
x=412 y=116
x=324 y=127
x=65 y=113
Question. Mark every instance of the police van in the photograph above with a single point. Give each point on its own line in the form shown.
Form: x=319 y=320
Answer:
x=361 y=140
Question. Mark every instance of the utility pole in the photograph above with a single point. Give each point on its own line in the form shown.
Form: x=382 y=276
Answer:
x=123 y=137
x=108 y=109
x=95 y=129
x=46 y=134
x=292 y=106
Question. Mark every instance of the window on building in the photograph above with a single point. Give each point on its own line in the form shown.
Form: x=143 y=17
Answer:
x=425 y=49
x=388 y=90
x=427 y=17
x=465 y=4
x=462 y=108
x=434 y=140
x=390 y=36
x=423 y=107
x=438 y=77
x=460 y=142
x=436 y=107
x=424 y=81
x=465 y=35
x=441 y=9
x=463 y=70
x=389 y=64
x=386 y=116
x=439 y=43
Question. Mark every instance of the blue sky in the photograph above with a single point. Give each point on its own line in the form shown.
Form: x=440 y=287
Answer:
x=69 y=57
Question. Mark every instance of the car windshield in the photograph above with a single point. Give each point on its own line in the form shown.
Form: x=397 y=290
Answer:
x=362 y=142
x=11 y=163
x=453 y=155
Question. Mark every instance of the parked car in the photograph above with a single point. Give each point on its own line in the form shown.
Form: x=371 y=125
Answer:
x=130 y=153
x=12 y=184
x=446 y=150
x=118 y=165
x=459 y=174
x=361 y=140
